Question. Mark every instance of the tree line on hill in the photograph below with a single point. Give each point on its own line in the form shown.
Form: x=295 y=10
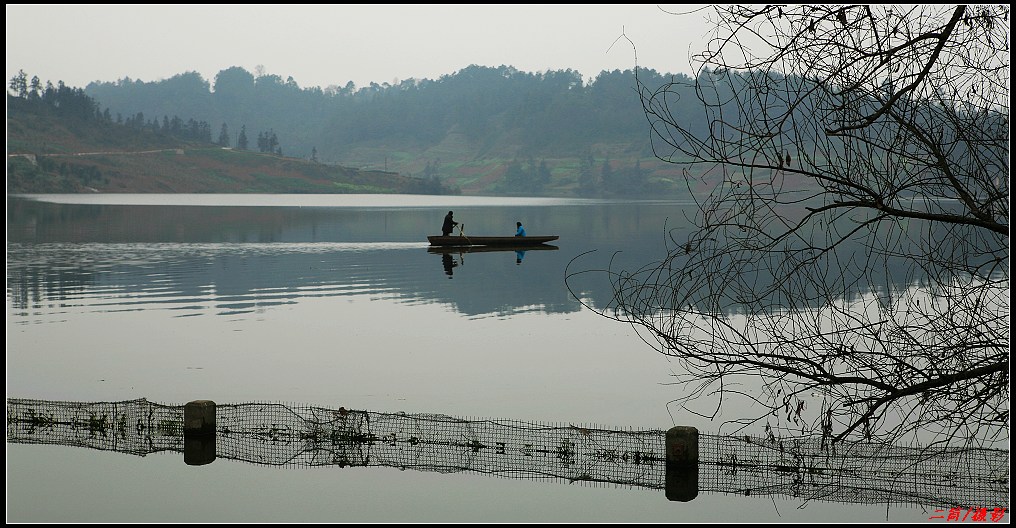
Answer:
x=517 y=118
x=499 y=109
x=74 y=103
x=50 y=124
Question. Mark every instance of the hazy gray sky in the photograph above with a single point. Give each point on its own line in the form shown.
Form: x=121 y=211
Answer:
x=333 y=44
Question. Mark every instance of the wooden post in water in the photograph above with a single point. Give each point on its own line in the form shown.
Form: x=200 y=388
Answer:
x=682 y=463
x=199 y=432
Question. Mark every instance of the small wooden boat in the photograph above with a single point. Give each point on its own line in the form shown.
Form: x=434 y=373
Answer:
x=501 y=241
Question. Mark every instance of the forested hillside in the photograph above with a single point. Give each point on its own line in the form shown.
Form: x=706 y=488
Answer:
x=484 y=130
x=60 y=141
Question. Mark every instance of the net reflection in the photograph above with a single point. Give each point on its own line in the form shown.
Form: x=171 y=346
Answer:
x=286 y=435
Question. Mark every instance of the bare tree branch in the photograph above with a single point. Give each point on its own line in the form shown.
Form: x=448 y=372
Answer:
x=848 y=267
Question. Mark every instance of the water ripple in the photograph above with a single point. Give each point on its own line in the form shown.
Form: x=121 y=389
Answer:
x=194 y=279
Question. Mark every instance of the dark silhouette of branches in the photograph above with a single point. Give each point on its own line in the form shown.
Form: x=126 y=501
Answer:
x=848 y=267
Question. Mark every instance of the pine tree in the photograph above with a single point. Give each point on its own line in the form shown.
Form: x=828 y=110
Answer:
x=224 y=136
x=19 y=84
x=241 y=140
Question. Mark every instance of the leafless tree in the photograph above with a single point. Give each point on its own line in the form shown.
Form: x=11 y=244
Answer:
x=848 y=267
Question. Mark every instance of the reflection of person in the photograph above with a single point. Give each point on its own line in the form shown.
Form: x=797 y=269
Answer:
x=449 y=263
x=519 y=255
x=521 y=231
x=449 y=224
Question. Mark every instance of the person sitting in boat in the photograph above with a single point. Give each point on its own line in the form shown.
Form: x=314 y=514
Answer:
x=521 y=231
x=449 y=224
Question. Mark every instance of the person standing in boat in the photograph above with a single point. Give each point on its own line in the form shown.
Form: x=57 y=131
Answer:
x=449 y=224
x=521 y=231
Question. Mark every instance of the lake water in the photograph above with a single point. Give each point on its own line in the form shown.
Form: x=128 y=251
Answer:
x=336 y=301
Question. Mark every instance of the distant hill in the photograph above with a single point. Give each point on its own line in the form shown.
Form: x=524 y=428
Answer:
x=484 y=130
x=59 y=142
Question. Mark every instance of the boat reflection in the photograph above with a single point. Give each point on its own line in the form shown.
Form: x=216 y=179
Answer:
x=448 y=262
x=449 y=253
x=486 y=249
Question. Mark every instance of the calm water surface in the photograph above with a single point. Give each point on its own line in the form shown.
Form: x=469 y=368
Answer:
x=336 y=301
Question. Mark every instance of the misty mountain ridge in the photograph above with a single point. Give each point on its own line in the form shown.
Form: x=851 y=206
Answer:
x=481 y=130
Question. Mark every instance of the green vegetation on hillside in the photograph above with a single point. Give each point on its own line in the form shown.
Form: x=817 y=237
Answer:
x=484 y=130
x=59 y=142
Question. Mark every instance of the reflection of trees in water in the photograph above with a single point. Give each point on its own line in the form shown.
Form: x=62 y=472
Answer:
x=232 y=248
x=838 y=157
x=182 y=277
x=295 y=436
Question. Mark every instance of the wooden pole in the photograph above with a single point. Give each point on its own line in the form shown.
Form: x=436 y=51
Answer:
x=199 y=432
x=682 y=463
